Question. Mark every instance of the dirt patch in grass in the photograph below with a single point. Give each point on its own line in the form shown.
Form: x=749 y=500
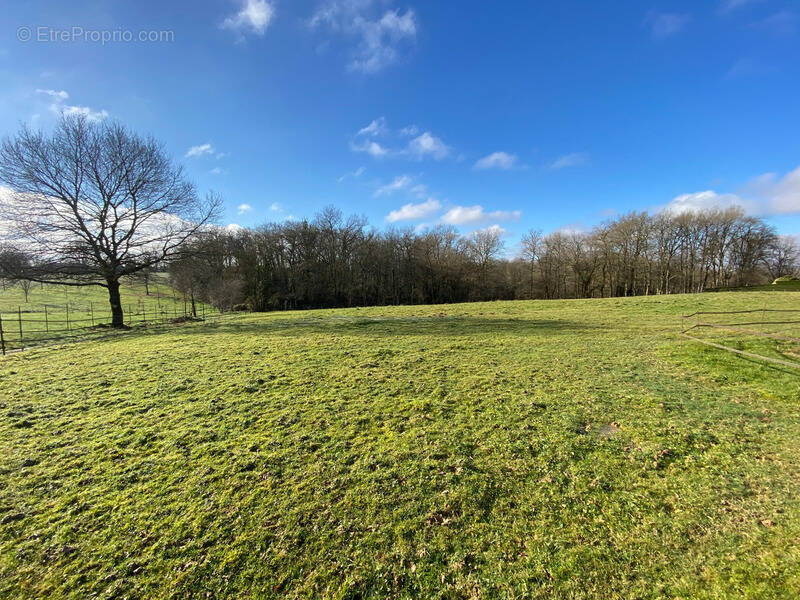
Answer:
x=602 y=430
x=607 y=430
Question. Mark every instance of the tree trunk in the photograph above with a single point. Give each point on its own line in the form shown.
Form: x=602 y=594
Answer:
x=117 y=316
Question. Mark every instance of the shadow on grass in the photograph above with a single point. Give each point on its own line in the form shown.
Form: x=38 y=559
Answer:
x=336 y=326
x=389 y=327
x=770 y=367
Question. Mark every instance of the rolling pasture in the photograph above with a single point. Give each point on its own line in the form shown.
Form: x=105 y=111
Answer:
x=533 y=449
x=56 y=314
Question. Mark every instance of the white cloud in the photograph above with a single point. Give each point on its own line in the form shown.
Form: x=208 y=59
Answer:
x=414 y=212
x=496 y=229
x=374 y=129
x=398 y=25
x=765 y=195
x=91 y=115
x=216 y=171
x=706 y=200
x=664 y=25
x=411 y=211
x=497 y=160
x=777 y=195
x=243 y=208
x=233 y=228
x=574 y=228
x=379 y=40
x=780 y=23
x=201 y=150
x=420 y=147
x=355 y=174
x=401 y=182
x=59 y=106
x=473 y=215
x=748 y=67
x=378 y=36
x=462 y=215
x=730 y=5
x=374 y=149
x=576 y=159
x=428 y=145
x=254 y=16
x=57 y=95
x=419 y=190
x=607 y=213
x=275 y=207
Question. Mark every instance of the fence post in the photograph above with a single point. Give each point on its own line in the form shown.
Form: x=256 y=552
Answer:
x=203 y=309
x=2 y=336
x=46 y=324
x=19 y=317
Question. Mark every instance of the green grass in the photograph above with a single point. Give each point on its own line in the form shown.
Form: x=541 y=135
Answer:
x=55 y=313
x=561 y=449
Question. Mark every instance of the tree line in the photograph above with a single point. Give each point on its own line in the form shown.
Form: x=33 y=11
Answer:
x=333 y=261
x=93 y=203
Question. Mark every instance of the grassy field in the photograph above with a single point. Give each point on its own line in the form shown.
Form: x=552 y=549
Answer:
x=782 y=286
x=558 y=449
x=54 y=313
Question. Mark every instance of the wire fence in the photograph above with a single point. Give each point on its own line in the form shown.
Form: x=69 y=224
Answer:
x=28 y=328
x=783 y=326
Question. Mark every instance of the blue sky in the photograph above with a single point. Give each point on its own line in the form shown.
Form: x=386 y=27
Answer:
x=476 y=114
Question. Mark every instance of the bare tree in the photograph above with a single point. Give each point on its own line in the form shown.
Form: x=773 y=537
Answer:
x=25 y=284
x=94 y=202
x=483 y=246
x=145 y=276
x=531 y=245
x=13 y=262
x=782 y=257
